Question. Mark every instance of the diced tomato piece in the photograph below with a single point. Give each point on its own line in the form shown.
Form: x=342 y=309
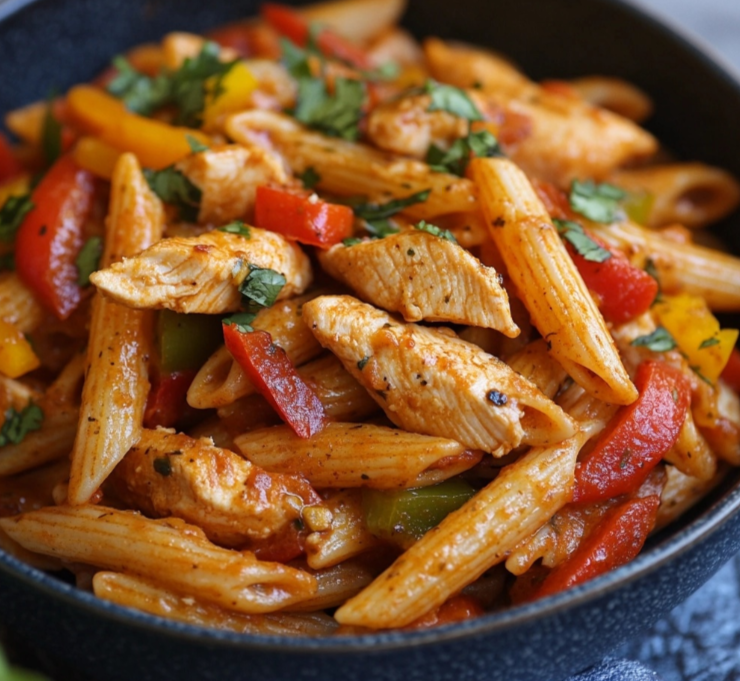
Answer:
x=637 y=437
x=275 y=377
x=615 y=541
x=293 y=26
x=302 y=217
x=51 y=236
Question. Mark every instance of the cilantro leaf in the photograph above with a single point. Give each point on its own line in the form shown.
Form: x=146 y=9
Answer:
x=260 y=288
x=452 y=100
x=12 y=213
x=597 y=202
x=195 y=145
x=659 y=340
x=242 y=320
x=19 y=423
x=585 y=246
x=336 y=115
x=310 y=177
x=708 y=343
x=51 y=135
x=237 y=227
x=455 y=160
x=173 y=187
x=652 y=270
x=381 y=228
x=189 y=87
x=140 y=93
x=351 y=241
x=382 y=211
x=88 y=259
x=436 y=231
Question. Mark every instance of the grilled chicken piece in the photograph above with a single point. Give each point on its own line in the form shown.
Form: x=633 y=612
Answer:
x=430 y=381
x=235 y=502
x=202 y=274
x=423 y=277
x=228 y=176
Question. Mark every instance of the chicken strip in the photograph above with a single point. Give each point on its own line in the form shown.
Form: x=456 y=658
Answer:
x=430 y=381
x=235 y=502
x=202 y=274
x=423 y=276
x=228 y=176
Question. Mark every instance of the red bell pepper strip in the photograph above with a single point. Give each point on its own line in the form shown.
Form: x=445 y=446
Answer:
x=731 y=373
x=623 y=290
x=616 y=540
x=9 y=164
x=637 y=437
x=293 y=26
x=51 y=236
x=302 y=217
x=276 y=379
x=167 y=404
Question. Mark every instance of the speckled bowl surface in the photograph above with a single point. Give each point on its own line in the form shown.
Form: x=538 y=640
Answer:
x=48 y=45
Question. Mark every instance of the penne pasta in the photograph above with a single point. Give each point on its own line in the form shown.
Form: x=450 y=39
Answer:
x=18 y=304
x=551 y=288
x=614 y=94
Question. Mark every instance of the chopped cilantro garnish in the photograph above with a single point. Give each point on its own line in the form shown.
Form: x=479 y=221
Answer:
x=237 y=227
x=163 y=466
x=140 y=93
x=382 y=211
x=455 y=160
x=186 y=87
x=88 y=259
x=652 y=270
x=12 y=213
x=51 y=135
x=381 y=228
x=597 y=202
x=336 y=115
x=242 y=320
x=659 y=340
x=352 y=241
x=363 y=362
x=708 y=343
x=195 y=145
x=310 y=177
x=436 y=231
x=452 y=100
x=19 y=423
x=585 y=246
x=173 y=187
x=260 y=288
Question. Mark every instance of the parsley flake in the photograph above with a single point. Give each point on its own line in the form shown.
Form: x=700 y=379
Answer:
x=196 y=146
x=652 y=270
x=12 y=213
x=659 y=340
x=336 y=115
x=585 y=246
x=242 y=320
x=708 y=343
x=51 y=135
x=481 y=144
x=163 y=466
x=597 y=202
x=310 y=177
x=88 y=259
x=140 y=93
x=260 y=288
x=382 y=211
x=436 y=231
x=19 y=423
x=237 y=227
x=173 y=187
x=363 y=362
x=452 y=100
x=351 y=241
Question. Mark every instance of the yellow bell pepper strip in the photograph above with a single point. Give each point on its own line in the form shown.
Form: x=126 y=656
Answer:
x=96 y=156
x=697 y=334
x=16 y=354
x=232 y=95
x=156 y=144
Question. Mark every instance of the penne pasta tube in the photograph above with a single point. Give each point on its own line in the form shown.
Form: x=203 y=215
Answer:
x=350 y=169
x=358 y=455
x=681 y=267
x=691 y=194
x=681 y=492
x=358 y=20
x=221 y=380
x=149 y=596
x=551 y=288
x=170 y=551
x=614 y=94
x=35 y=560
x=347 y=536
x=691 y=453
x=431 y=382
x=535 y=364
x=116 y=384
x=470 y=540
x=18 y=305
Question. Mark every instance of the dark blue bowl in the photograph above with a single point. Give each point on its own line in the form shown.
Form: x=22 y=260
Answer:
x=48 y=44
